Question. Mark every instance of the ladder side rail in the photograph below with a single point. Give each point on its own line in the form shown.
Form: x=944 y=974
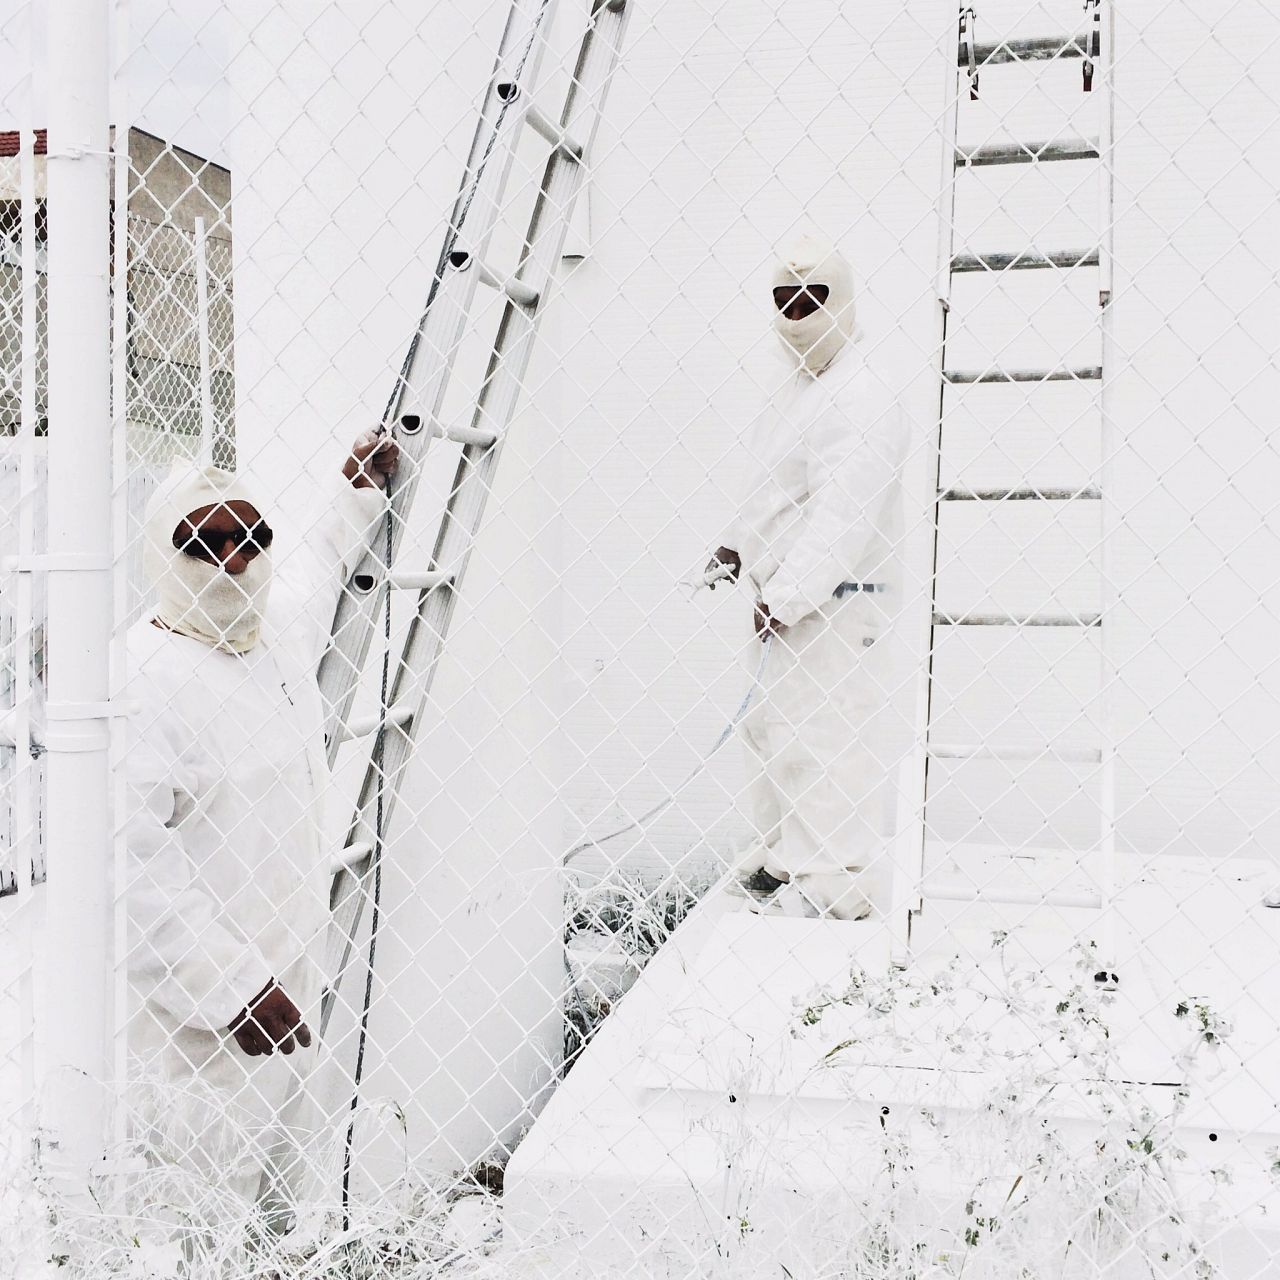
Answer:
x=907 y=858
x=598 y=54
x=1105 y=872
x=464 y=512
x=428 y=364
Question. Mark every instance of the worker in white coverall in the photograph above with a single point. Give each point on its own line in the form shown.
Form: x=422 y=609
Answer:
x=228 y=888
x=816 y=537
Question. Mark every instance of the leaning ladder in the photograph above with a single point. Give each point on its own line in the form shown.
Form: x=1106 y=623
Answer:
x=413 y=417
x=915 y=885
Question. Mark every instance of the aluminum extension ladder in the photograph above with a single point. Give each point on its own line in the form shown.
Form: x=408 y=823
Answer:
x=413 y=417
x=914 y=883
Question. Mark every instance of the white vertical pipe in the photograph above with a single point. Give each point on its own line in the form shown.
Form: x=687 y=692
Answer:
x=77 y=933
x=119 y=674
x=202 y=339
x=25 y=777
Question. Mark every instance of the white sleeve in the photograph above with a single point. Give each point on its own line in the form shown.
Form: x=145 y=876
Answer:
x=857 y=448
x=181 y=955
x=730 y=536
x=734 y=534
x=320 y=560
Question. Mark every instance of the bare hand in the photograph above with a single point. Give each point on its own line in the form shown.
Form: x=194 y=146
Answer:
x=766 y=624
x=269 y=1022
x=372 y=461
x=725 y=558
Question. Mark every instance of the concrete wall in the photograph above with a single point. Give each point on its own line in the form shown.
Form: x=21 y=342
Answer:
x=169 y=189
x=171 y=185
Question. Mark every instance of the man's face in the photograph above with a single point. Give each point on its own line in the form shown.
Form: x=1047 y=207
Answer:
x=231 y=534
x=800 y=300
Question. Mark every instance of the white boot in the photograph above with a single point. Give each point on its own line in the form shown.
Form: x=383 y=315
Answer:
x=750 y=856
x=835 y=896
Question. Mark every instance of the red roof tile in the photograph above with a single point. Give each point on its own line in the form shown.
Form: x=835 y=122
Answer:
x=9 y=142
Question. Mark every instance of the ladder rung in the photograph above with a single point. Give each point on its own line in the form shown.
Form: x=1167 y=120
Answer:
x=1028 y=152
x=1020 y=493
x=1034 y=49
x=364 y=726
x=345 y=859
x=1024 y=260
x=956 y=889
x=943 y=619
x=485 y=437
x=552 y=132
x=540 y=122
x=1083 y=373
x=521 y=294
x=1061 y=755
x=426 y=580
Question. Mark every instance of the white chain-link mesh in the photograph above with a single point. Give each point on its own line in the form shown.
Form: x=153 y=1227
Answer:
x=936 y=936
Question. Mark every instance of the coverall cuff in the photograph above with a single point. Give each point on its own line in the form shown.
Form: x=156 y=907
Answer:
x=788 y=609
x=361 y=509
x=230 y=995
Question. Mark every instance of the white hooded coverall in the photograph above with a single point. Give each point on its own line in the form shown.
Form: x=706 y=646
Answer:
x=228 y=872
x=822 y=508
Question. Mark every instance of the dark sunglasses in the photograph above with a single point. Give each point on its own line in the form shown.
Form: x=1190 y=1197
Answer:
x=210 y=544
x=784 y=295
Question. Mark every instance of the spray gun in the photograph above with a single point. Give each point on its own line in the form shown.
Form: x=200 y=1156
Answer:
x=708 y=578
x=718 y=574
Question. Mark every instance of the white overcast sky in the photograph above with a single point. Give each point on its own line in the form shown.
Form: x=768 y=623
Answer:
x=176 y=70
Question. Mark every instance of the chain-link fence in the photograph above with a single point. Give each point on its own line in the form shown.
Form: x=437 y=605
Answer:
x=766 y=765
x=179 y=395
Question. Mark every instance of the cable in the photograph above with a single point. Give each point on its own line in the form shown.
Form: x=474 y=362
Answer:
x=725 y=734
x=375 y=917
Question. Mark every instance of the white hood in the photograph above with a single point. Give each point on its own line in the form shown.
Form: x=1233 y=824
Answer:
x=194 y=598
x=815 y=341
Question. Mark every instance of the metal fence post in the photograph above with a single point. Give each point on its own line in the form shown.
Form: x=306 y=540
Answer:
x=208 y=432
x=78 y=930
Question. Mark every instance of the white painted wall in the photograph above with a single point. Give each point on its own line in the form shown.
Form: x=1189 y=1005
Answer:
x=727 y=131
x=582 y=683
x=723 y=128
x=347 y=153
x=1198 y=328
